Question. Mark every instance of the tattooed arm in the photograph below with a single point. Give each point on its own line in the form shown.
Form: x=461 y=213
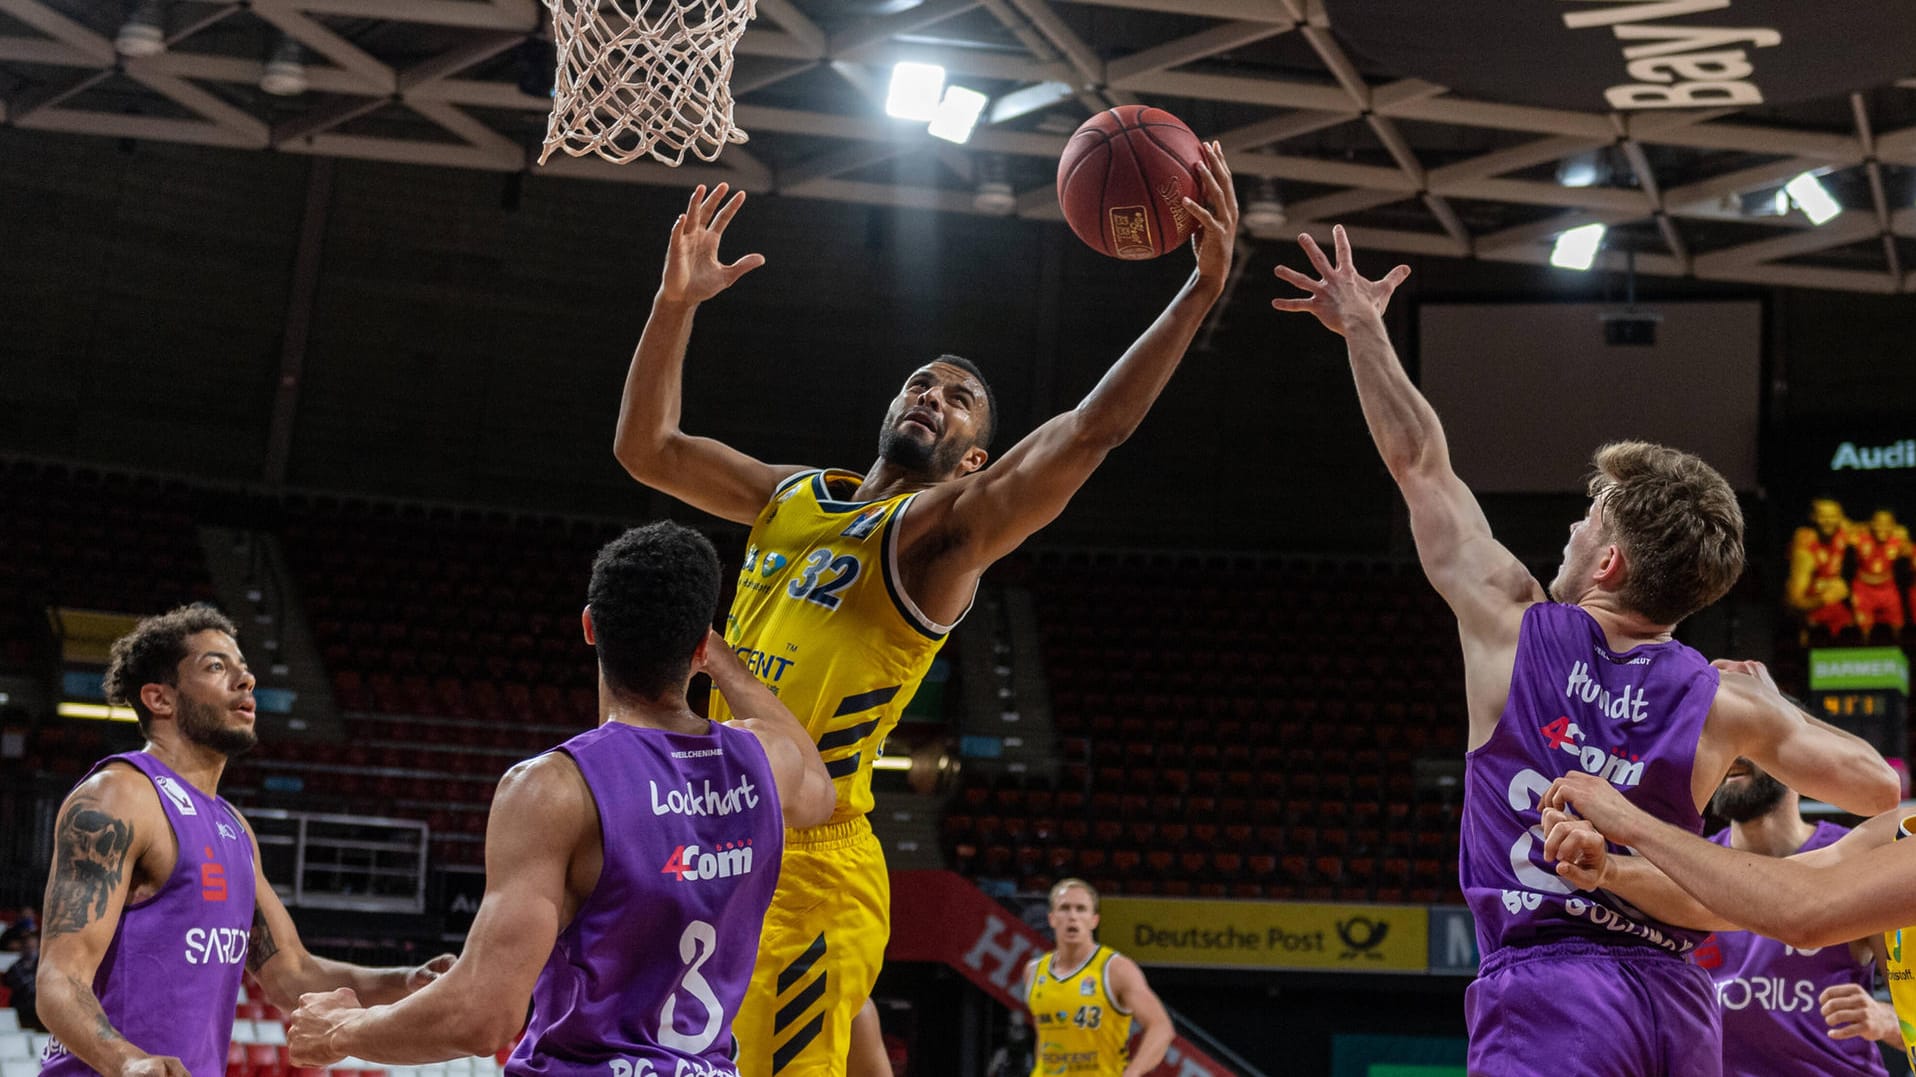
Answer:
x=285 y=970
x=107 y=828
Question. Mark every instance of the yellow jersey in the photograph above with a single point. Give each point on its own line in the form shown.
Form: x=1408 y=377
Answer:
x=1901 y=968
x=1078 y=1028
x=821 y=618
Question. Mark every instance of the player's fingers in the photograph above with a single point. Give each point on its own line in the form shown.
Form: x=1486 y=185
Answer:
x=1342 y=242
x=1292 y=304
x=1213 y=190
x=1293 y=277
x=1394 y=278
x=1204 y=216
x=727 y=212
x=743 y=266
x=1846 y=1032
x=711 y=204
x=1316 y=254
x=1221 y=167
x=692 y=203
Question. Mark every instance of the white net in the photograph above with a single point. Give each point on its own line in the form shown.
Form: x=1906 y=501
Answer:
x=644 y=77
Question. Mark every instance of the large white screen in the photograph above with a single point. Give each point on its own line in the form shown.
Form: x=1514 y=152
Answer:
x=1527 y=391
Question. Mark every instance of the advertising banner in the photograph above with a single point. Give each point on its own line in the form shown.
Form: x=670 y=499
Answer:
x=1268 y=934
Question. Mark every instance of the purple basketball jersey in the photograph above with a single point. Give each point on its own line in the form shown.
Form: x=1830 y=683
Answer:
x=171 y=977
x=1575 y=705
x=645 y=979
x=1770 y=995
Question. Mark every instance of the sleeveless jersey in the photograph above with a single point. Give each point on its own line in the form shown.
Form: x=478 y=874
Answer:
x=170 y=979
x=645 y=979
x=820 y=617
x=1575 y=705
x=1078 y=1028
x=1770 y=997
x=1901 y=967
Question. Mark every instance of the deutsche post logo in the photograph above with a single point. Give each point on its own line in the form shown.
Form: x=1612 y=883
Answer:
x=1362 y=936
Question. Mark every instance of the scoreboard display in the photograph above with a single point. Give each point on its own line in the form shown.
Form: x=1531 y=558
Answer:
x=1864 y=690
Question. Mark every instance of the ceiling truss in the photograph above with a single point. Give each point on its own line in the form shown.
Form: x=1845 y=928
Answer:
x=1408 y=193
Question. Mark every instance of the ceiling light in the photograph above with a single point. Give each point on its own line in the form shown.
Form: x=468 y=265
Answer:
x=995 y=198
x=1264 y=213
x=285 y=74
x=957 y=114
x=1812 y=198
x=144 y=31
x=1577 y=248
x=1583 y=170
x=915 y=91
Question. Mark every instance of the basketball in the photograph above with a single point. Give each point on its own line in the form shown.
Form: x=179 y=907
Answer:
x=1122 y=180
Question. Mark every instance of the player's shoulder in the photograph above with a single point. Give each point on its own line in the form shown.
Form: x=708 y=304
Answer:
x=116 y=783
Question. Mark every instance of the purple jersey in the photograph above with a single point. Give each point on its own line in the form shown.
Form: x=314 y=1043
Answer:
x=1575 y=705
x=1771 y=999
x=171 y=977
x=645 y=979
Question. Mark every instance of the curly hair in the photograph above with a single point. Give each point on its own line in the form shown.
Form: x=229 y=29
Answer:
x=153 y=651
x=653 y=595
x=1677 y=522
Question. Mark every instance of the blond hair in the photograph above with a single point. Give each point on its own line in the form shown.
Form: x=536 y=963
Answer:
x=1678 y=524
x=1058 y=888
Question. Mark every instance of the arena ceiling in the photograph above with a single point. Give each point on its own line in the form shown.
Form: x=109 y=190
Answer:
x=1409 y=166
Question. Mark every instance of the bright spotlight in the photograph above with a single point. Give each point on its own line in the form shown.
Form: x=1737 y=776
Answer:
x=957 y=114
x=915 y=91
x=1812 y=198
x=1577 y=248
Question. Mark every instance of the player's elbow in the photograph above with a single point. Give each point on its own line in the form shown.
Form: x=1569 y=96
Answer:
x=642 y=457
x=1873 y=787
x=487 y=1030
x=814 y=803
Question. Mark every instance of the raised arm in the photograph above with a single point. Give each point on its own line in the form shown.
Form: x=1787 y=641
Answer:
x=804 y=787
x=540 y=817
x=701 y=472
x=991 y=512
x=1863 y=884
x=1484 y=583
x=1752 y=719
x=105 y=828
x=286 y=970
x=1129 y=990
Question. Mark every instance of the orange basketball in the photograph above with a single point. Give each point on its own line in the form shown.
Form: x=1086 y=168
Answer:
x=1123 y=178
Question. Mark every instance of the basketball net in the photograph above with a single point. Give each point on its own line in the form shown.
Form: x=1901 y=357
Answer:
x=656 y=81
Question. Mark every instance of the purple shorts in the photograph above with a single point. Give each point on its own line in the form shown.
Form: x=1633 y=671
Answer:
x=1580 y=1009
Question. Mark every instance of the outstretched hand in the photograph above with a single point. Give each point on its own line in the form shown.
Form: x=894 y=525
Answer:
x=1341 y=297
x=693 y=272
x=1216 y=233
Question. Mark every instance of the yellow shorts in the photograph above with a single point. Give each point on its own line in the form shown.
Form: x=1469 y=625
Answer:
x=823 y=944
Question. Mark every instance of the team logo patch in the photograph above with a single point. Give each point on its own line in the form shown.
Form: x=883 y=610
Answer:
x=182 y=803
x=751 y=557
x=1089 y=986
x=866 y=522
x=228 y=832
x=771 y=563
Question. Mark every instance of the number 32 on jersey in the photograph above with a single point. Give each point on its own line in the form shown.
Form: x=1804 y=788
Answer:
x=822 y=576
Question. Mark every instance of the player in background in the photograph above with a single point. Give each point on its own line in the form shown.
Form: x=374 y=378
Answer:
x=852 y=580
x=1789 y=1012
x=628 y=870
x=1873 y=594
x=156 y=883
x=1084 y=998
x=1815 y=587
x=1585 y=679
